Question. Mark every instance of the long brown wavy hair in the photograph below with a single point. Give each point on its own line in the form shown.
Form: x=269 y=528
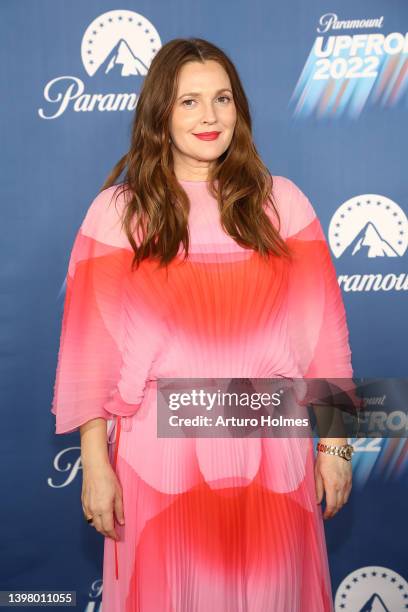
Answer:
x=158 y=206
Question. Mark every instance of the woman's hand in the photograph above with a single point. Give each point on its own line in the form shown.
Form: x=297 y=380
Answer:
x=333 y=476
x=102 y=498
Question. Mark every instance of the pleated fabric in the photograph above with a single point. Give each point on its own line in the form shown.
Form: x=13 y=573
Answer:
x=227 y=524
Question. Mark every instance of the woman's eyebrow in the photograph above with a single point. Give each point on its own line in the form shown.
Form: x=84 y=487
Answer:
x=197 y=93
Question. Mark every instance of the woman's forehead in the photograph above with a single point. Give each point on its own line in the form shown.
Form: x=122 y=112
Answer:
x=200 y=78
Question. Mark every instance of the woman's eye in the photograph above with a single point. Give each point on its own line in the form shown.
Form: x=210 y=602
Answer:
x=185 y=102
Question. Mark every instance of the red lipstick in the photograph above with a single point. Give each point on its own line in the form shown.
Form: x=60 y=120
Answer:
x=207 y=135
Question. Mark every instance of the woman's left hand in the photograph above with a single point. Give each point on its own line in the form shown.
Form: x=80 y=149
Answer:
x=333 y=476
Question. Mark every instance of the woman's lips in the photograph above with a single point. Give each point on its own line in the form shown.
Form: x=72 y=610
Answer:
x=208 y=135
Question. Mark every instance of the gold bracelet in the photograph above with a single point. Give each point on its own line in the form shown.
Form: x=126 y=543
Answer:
x=345 y=451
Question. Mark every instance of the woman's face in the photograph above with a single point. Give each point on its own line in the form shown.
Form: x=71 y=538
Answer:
x=204 y=103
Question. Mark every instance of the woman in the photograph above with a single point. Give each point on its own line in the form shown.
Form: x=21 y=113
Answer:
x=205 y=266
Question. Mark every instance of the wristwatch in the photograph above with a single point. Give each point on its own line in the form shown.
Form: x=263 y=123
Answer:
x=345 y=451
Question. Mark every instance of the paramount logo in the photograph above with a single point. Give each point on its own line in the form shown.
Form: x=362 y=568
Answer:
x=330 y=21
x=118 y=44
x=369 y=243
x=69 y=91
x=374 y=282
x=122 y=59
x=372 y=588
x=365 y=231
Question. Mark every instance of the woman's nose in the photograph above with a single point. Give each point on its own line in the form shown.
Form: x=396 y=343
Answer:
x=209 y=114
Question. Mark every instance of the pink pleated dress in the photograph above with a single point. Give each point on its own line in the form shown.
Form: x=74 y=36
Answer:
x=220 y=524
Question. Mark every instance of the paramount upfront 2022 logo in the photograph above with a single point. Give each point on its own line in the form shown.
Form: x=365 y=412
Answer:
x=117 y=45
x=365 y=231
x=346 y=71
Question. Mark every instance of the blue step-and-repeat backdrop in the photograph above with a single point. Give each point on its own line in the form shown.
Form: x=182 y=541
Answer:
x=328 y=89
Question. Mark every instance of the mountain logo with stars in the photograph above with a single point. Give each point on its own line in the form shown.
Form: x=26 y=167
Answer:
x=368 y=226
x=116 y=45
x=121 y=42
x=372 y=589
x=122 y=59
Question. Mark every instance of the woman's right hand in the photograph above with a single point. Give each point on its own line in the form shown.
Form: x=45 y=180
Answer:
x=102 y=498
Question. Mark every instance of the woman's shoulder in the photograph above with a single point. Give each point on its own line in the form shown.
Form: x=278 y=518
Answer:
x=103 y=218
x=295 y=209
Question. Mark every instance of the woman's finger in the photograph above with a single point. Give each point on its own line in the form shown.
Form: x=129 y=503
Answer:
x=118 y=508
x=108 y=525
x=331 y=501
x=345 y=493
x=102 y=524
x=97 y=522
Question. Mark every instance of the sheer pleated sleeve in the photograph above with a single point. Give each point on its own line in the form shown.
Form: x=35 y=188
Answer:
x=91 y=347
x=317 y=314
